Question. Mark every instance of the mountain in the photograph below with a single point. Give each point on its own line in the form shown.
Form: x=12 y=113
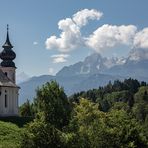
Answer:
x=71 y=84
x=138 y=55
x=91 y=73
x=92 y=64
x=21 y=77
x=135 y=66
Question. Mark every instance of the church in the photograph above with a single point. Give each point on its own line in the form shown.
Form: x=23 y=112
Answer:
x=8 y=88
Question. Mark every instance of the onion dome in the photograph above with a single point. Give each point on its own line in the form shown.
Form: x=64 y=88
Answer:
x=7 y=55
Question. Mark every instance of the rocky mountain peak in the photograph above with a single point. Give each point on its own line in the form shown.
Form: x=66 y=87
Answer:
x=138 y=54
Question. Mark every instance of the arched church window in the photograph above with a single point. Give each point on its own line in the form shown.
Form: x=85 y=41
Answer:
x=6 y=101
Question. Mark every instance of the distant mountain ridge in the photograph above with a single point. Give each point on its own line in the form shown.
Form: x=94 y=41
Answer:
x=71 y=84
x=21 y=77
x=136 y=62
x=92 y=64
x=135 y=66
x=91 y=73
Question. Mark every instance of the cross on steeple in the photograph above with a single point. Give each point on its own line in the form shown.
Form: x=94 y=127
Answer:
x=7 y=27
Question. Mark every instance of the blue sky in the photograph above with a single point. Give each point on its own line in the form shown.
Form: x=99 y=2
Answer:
x=33 y=21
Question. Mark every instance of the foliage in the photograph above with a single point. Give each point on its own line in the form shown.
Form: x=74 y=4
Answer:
x=140 y=108
x=53 y=102
x=10 y=135
x=142 y=94
x=26 y=109
x=120 y=106
x=115 y=115
x=127 y=86
x=117 y=96
x=52 y=114
x=93 y=129
x=40 y=134
x=19 y=121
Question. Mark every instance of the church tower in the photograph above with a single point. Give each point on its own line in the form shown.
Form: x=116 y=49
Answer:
x=8 y=88
x=7 y=56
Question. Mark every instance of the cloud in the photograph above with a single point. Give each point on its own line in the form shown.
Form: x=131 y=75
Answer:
x=104 y=37
x=70 y=37
x=108 y=36
x=60 y=58
x=82 y=17
x=141 y=39
x=35 y=43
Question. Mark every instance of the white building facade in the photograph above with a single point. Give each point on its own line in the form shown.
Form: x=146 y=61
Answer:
x=8 y=88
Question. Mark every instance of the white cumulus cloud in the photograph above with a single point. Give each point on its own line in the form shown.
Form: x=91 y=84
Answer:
x=104 y=37
x=141 y=39
x=108 y=36
x=82 y=17
x=60 y=58
x=70 y=37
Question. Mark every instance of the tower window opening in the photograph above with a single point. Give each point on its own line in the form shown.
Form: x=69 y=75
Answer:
x=6 y=73
x=6 y=103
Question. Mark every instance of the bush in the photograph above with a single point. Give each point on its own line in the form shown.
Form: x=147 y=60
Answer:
x=19 y=121
x=10 y=135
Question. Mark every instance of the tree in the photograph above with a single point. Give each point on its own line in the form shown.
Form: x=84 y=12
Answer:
x=140 y=108
x=26 y=109
x=132 y=85
x=40 y=134
x=10 y=135
x=88 y=127
x=121 y=106
x=52 y=101
x=143 y=83
x=92 y=128
x=52 y=114
x=142 y=94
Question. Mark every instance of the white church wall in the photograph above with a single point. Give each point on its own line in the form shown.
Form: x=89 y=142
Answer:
x=9 y=107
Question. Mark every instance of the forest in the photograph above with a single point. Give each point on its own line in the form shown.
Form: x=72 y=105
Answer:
x=112 y=116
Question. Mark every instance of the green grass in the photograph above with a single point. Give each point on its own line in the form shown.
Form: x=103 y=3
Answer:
x=11 y=130
x=10 y=135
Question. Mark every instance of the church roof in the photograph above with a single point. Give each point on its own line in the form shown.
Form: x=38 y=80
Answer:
x=5 y=81
x=7 y=43
x=7 y=55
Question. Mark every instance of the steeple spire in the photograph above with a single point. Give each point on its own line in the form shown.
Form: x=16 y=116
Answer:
x=7 y=39
x=7 y=55
x=8 y=43
x=7 y=27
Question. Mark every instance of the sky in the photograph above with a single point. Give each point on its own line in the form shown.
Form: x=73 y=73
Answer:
x=50 y=34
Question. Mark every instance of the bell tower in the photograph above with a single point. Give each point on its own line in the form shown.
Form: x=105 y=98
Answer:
x=7 y=56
